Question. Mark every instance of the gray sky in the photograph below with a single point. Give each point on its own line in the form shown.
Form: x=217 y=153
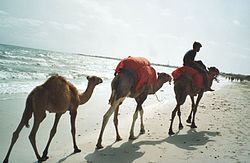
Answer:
x=160 y=30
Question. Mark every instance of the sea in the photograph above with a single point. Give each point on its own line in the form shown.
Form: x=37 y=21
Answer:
x=22 y=68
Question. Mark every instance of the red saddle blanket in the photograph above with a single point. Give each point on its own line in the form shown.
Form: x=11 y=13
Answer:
x=197 y=77
x=141 y=68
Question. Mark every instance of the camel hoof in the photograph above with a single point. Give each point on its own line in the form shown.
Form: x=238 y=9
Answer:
x=43 y=159
x=5 y=160
x=180 y=126
x=99 y=146
x=45 y=153
x=142 y=131
x=77 y=150
x=132 y=137
x=118 y=138
x=193 y=125
x=170 y=132
x=188 y=120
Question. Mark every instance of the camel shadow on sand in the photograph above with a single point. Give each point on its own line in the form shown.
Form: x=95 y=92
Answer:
x=126 y=152
x=192 y=139
x=129 y=151
x=62 y=159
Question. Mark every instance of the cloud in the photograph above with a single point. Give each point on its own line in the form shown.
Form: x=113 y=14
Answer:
x=236 y=22
x=14 y=22
x=166 y=12
x=212 y=43
x=168 y=36
x=72 y=27
x=101 y=13
x=3 y=12
x=189 y=18
x=64 y=26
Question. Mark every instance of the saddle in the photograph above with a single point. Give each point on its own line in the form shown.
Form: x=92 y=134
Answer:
x=195 y=74
x=141 y=70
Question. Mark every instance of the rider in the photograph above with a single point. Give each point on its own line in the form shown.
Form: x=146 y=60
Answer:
x=188 y=60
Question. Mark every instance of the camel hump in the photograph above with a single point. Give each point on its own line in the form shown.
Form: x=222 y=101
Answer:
x=140 y=67
x=58 y=86
x=57 y=82
x=191 y=72
x=132 y=63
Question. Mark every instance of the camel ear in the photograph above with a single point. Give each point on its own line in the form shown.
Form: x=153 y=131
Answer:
x=87 y=77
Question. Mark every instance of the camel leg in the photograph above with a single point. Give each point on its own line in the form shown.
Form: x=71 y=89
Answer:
x=105 y=120
x=73 y=114
x=190 y=115
x=179 y=115
x=52 y=134
x=195 y=109
x=14 y=139
x=135 y=116
x=118 y=137
x=170 y=132
x=142 y=131
x=139 y=101
x=38 y=118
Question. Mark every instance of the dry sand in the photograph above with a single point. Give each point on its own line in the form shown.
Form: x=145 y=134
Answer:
x=223 y=134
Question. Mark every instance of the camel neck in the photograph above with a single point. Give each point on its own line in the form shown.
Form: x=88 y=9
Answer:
x=155 y=87
x=210 y=79
x=85 y=96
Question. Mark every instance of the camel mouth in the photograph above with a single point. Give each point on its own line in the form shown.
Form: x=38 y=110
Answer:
x=216 y=79
x=100 y=81
x=170 y=80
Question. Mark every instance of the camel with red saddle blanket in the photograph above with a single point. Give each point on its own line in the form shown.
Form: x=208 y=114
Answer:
x=135 y=78
x=188 y=81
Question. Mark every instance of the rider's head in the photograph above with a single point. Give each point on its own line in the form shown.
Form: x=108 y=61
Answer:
x=196 y=46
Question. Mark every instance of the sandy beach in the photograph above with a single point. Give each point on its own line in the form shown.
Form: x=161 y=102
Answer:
x=222 y=134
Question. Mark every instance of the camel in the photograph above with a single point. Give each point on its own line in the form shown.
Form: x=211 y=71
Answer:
x=57 y=96
x=123 y=85
x=184 y=86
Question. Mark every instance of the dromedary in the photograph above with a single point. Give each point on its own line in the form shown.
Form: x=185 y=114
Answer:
x=125 y=84
x=184 y=86
x=56 y=95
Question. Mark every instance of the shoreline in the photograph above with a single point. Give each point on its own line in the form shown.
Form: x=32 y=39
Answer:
x=221 y=136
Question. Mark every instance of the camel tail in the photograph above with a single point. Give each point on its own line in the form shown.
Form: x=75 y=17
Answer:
x=27 y=114
x=112 y=97
x=114 y=85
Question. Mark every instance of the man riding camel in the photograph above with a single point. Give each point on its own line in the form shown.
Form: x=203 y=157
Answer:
x=188 y=60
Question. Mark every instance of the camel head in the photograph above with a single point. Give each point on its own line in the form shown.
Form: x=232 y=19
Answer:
x=163 y=77
x=94 y=80
x=213 y=72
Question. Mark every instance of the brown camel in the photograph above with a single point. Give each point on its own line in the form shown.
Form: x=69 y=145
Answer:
x=183 y=87
x=124 y=86
x=56 y=95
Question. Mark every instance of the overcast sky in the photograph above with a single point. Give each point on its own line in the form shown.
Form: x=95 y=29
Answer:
x=160 y=30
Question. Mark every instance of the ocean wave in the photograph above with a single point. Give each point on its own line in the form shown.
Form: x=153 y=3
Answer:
x=21 y=75
x=22 y=68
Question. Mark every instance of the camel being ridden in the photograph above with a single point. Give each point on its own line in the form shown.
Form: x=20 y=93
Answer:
x=56 y=95
x=186 y=84
x=133 y=76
